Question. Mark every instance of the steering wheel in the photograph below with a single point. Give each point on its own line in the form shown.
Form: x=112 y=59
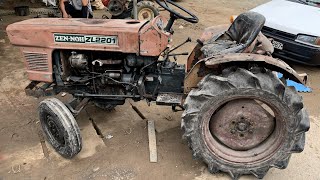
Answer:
x=164 y=3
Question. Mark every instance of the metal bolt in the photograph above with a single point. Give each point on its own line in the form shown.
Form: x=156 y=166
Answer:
x=242 y=126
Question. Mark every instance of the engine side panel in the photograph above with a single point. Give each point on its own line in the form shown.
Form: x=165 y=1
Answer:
x=38 y=38
x=40 y=33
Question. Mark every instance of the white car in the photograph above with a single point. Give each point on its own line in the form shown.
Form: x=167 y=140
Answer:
x=294 y=26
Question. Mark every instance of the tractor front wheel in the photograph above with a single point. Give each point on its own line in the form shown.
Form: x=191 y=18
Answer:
x=60 y=127
x=244 y=122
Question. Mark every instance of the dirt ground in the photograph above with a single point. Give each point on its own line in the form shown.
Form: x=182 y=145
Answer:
x=125 y=156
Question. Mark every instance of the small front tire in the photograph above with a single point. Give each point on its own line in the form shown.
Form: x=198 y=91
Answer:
x=60 y=128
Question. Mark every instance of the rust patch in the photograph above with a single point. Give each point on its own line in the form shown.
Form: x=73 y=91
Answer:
x=151 y=35
x=242 y=124
x=93 y=21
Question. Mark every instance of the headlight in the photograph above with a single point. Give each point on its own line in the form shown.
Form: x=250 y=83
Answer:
x=311 y=40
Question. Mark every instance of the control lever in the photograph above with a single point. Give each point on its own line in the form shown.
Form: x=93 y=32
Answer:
x=178 y=54
x=188 y=40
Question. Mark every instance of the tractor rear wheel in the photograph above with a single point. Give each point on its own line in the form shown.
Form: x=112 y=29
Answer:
x=244 y=122
x=60 y=127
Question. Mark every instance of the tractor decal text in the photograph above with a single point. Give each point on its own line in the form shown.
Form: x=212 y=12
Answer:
x=89 y=39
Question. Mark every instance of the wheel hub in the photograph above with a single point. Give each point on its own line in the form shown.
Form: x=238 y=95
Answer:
x=145 y=14
x=54 y=130
x=242 y=124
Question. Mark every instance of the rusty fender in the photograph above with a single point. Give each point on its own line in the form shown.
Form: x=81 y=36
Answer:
x=197 y=72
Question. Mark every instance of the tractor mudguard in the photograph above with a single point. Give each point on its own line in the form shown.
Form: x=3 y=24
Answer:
x=214 y=63
x=264 y=44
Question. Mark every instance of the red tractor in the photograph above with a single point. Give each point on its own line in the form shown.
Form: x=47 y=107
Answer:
x=239 y=117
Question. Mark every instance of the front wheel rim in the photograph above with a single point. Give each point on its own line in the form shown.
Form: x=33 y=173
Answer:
x=54 y=131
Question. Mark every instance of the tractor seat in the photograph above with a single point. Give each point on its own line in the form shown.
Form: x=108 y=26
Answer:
x=240 y=35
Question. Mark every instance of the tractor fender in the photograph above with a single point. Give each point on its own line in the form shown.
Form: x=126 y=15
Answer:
x=261 y=44
x=213 y=64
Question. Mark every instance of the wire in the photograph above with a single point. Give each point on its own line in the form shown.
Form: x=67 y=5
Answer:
x=142 y=69
x=116 y=81
x=119 y=82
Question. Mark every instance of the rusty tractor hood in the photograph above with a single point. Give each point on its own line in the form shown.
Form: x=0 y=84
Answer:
x=85 y=34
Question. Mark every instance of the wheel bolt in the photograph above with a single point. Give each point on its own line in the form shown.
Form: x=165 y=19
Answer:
x=242 y=126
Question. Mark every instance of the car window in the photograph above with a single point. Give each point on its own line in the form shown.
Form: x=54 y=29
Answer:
x=315 y=3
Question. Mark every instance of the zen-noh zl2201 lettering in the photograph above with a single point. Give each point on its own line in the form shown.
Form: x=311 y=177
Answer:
x=90 y=39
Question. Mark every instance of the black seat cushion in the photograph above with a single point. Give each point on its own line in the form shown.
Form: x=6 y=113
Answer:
x=240 y=35
x=246 y=27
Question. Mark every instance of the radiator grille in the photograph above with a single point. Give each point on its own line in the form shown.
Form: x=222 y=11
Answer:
x=37 y=61
x=277 y=33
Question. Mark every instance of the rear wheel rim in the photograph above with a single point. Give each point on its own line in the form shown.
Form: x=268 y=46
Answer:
x=242 y=128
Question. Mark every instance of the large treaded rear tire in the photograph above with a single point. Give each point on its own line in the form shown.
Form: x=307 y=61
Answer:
x=60 y=127
x=240 y=82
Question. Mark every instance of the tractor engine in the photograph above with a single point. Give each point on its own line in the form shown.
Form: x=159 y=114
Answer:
x=117 y=76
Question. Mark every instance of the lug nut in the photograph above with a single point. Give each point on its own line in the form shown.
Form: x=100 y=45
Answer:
x=242 y=126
